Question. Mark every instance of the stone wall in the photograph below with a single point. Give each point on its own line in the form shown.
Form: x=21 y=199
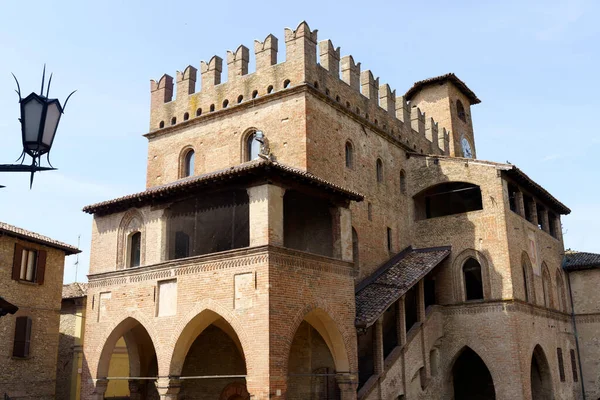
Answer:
x=35 y=376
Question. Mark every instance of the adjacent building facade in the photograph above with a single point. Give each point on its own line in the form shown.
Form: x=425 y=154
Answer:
x=31 y=274
x=307 y=234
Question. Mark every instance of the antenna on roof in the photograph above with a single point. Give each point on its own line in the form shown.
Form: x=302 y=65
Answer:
x=77 y=259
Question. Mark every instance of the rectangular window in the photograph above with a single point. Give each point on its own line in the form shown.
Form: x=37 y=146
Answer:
x=561 y=365
x=390 y=329
x=552 y=224
x=167 y=298
x=529 y=204
x=22 y=337
x=389 y=239
x=540 y=214
x=429 y=287
x=512 y=197
x=369 y=211
x=574 y=366
x=410 y=308
x=29 y=265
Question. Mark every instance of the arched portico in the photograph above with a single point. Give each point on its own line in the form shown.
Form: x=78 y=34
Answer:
x=318 y=363
x=209 y=359
x=471 y=378
x=141 y=356
x=541 y=376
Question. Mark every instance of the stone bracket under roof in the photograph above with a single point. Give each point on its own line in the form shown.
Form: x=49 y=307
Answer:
x=392 y=280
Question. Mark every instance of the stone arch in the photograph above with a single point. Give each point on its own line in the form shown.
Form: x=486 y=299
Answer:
x=457 y=273
x=327 y=326
x=201 y=316
x=547 y=286
x=470 y=376
x=541 y=376
x=528 y=281
x=132 y=221
x=235 y=391
x=125 y=327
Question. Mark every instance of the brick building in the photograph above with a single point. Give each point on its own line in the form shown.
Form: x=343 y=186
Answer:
x=307 y=234
x=31 y=274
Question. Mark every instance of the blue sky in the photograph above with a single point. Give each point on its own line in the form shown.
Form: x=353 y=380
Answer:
x=534 y=65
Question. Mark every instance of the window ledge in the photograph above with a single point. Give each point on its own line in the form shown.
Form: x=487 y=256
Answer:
x=21 y=358
x=28 y=283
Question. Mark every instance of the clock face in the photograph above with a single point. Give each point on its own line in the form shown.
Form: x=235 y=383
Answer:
x=466 y=148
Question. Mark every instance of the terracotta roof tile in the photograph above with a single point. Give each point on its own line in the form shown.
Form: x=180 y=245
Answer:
x=20 y=233
x=260 y=166
x=579 y=260
x=441 y=79
x=74 y=290
x=392 y=280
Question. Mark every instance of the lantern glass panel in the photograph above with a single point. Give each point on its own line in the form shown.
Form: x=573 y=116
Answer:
x=32 y=111
x=52 y=117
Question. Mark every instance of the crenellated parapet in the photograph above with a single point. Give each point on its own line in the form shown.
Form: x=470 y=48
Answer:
x=317 y=66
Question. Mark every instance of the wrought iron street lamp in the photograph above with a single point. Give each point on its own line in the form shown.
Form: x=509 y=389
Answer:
x=40 y=116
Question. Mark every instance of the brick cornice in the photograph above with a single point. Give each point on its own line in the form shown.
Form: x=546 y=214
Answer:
x=249 y=256
x=481 y=307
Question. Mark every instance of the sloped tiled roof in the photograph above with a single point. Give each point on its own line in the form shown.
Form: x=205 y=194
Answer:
x=20 y=233
x=579 y=260
x=255 y=168
x=74 y=290
x=441 y=79
x=392 y=280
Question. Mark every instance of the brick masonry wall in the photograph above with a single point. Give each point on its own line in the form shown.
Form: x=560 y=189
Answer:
x=586 y=301
x=35 y=376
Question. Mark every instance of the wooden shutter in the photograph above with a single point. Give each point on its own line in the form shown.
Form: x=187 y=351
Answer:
x=41 y=267
x=16 y=270
x=22 y=337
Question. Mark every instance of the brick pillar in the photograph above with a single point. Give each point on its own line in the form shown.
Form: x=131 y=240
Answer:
x=520 y=204
x=135 y=387
x=266 y=215
x=168 y=388
x=533 y=212
x=401 y=322
x=421 y=300
x=100 y=386
x=342 y=233
x=378 y=346
x=348 y=384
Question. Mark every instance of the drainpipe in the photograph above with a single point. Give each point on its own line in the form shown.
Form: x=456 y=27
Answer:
x=576 y=335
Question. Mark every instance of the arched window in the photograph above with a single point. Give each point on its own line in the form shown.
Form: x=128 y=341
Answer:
x=473 y=281
x=253 y=145
x=349 y=155
x=546 y=286
x=560 y=288
x=402 y=182
x=460 y=110
x=525 y=281
x=379 y=169
x=355 y=254
x=135 y=246
x=188 y=164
